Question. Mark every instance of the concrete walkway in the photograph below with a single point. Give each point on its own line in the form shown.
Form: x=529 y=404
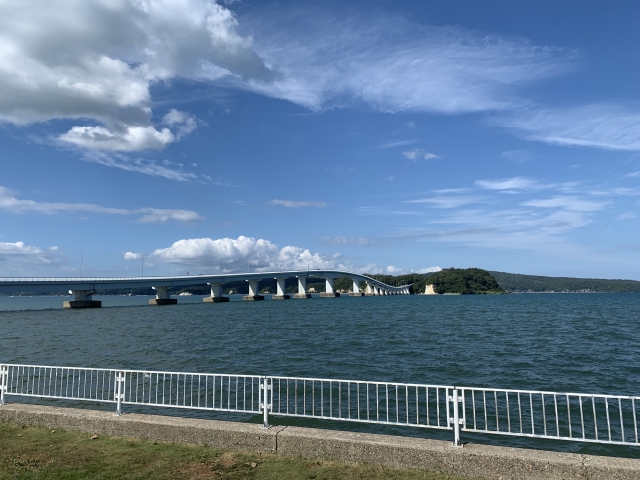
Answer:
x=474 y=461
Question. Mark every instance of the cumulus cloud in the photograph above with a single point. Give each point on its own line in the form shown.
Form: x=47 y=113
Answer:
x=129 y=139
x=229 y=254
x=19 y=252
x=296 y=203
x=608 y=126
x=96 y=60
x=11 y=204
x=419 y=154
x=242 y=253
x=183 y=122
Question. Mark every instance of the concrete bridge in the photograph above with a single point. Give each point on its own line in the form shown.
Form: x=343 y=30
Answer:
x=82 y=289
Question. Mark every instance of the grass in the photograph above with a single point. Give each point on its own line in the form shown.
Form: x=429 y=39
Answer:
x=39 y=453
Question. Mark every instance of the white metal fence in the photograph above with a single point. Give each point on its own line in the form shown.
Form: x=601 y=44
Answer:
x=607 y=419
x=565 y=416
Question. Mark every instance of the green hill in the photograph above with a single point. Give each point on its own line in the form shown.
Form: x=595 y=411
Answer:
x=515 y=282
x=464 y=281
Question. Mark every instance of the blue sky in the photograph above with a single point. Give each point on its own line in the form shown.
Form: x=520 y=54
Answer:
x=371 y=136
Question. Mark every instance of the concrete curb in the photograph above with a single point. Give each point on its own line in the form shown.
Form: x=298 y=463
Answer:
x=475 y=461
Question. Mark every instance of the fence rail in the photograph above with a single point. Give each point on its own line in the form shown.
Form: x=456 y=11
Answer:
x=608 y=419
x=565 y=416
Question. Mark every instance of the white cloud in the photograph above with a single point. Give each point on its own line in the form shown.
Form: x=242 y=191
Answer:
x=96 y=60
x=183 y=122
x=396 y=143
x=296 y=203
x=153 y=215
x=429 y=270
x=19 y=252
x=335 y=59
x=567 y=203
x=229 y=254
x=608 y=126
x=516 y=183
x=448 y=201
x=242 y=253
x=344 y=240
x=153 y=168
x=130 y=139
x=626 y=216
x=11 y=204
x=519 y=155
x=418 y=153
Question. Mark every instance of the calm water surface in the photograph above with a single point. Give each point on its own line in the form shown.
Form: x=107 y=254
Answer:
x=565 y=342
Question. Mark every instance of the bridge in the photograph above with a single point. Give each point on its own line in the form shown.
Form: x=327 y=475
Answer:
x=83 y=288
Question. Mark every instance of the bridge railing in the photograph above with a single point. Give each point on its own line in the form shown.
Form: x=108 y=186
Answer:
x=606 y=419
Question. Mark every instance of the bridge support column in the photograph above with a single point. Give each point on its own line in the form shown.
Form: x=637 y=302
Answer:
x=253 y=291
x=163 y=297
x=302 y=288
x=328 y=289
x=82 y=299
x=280 y=289
x=356 y=289
x=216 y=294
x=369 y=290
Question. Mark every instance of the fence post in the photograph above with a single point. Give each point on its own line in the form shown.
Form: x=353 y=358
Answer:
x=119 y=392
x=264 y=389
x=4 y=377
x=456 y=418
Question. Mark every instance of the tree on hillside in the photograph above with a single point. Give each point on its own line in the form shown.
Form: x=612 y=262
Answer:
x=464 y=281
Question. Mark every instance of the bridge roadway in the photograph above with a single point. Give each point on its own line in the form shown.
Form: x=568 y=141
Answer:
x=83 y=288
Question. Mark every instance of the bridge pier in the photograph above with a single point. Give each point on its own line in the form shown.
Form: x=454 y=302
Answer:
x=163 y=297
x=216 y=294
x=280 y=289
x=82 y=299
x=328 y=289
x=302 y=288
x=356 y=289
x=253 y=291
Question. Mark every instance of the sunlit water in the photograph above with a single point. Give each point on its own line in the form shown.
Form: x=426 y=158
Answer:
x=564 y=342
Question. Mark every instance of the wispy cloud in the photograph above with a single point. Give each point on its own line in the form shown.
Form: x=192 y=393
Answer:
x=567 y=203
x=519 y=155
x=11 y=204
x=343 y=240
x=162 y=169
x=627 y=216
x=419 y=154
x=296 y=203
x=516 y=183
x=448 y=201
x=600 y=125
x=396 y=143
x=392 y=64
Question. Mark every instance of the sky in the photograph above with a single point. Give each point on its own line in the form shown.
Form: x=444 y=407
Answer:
x=188 y=136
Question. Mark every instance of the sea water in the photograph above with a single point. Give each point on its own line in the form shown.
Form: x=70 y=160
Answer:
x=562 y=342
